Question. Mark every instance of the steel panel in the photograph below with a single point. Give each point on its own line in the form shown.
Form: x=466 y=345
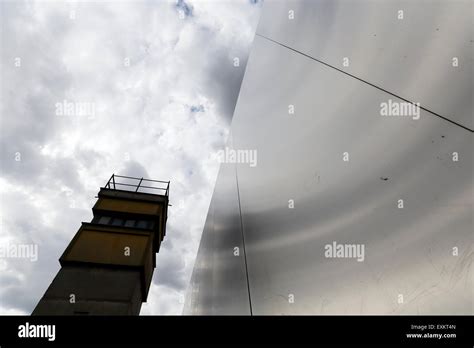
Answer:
x=300 y=157
x=409 y=251
x=218 y=283
x=411 y=57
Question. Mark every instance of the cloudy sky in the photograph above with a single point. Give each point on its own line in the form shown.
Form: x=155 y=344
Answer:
x=153 y=85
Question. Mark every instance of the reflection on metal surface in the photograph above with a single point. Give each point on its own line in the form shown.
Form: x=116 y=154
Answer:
x=219 y=283
x=333 y=170
x=409 y=53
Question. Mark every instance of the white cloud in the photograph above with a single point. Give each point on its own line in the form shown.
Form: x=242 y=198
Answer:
x=143 y=123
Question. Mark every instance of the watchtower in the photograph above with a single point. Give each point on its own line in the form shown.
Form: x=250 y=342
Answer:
x=108 y=266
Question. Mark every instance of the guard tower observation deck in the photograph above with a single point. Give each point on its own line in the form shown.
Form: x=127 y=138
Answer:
x=108 y=266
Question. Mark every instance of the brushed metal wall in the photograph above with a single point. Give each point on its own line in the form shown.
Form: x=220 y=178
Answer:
x=302 y=195
x=219 y=284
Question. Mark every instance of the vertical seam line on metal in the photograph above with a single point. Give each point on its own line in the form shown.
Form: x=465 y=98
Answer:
x=243 y=241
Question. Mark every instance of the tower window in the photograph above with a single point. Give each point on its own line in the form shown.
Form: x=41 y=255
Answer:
x=117 y=222
x=142 y=224
x=108 y=220
x=104 y=220
x=130 y=223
